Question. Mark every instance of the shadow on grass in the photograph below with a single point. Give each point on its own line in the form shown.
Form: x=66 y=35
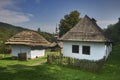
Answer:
x=22 y=72
x=7 y=58
x=2 y=68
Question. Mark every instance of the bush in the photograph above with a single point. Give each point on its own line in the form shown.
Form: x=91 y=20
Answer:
x=5 y=49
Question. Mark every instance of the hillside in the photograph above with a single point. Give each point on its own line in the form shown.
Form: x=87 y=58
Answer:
x=8 y=30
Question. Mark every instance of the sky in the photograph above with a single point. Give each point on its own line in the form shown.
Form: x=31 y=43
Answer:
x=46 y=14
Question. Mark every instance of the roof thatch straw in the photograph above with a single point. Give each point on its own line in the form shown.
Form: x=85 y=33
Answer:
x=55 y=44
x=86 y=30
x=29 y=38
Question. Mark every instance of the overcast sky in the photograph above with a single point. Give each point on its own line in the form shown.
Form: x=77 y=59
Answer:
x=46 y=14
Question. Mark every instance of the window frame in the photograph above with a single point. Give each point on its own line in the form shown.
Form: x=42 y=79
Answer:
x=75 y=49
x=86 y=52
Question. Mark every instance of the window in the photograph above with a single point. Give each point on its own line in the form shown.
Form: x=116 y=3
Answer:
x=75 y=48
x=86 y=50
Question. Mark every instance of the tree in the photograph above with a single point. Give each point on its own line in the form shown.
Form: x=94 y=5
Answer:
x=69 y=21
x=113 y=32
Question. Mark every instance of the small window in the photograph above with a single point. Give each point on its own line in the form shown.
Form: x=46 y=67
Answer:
x=75 y=48
x=86 y=50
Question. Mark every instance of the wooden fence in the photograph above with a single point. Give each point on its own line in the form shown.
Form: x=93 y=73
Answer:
x=88 y=65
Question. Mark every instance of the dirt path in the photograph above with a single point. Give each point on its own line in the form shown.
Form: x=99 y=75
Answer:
x=38 y=63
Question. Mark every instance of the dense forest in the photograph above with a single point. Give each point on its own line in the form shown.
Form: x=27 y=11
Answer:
x=8 y=30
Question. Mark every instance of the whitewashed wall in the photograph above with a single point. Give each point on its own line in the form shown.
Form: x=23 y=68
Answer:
x=37 y=53
x=108 y=50
x=23 y=49
x=20 y=49
x=97 y=50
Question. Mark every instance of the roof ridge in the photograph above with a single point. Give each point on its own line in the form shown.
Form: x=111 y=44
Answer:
x=30 y=38
x=85 y=30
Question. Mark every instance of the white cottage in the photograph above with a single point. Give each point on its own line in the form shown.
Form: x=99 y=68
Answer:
x=28 y=42
x=86 y=40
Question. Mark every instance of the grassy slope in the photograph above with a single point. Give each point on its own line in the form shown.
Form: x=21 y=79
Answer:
x=8 y=30
x=18 y=70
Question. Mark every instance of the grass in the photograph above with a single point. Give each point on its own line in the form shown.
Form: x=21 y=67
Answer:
x=7 y=60
x=26 y=70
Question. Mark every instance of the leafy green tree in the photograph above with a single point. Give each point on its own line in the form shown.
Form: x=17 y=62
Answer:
x=113 y=32
x=69 y=21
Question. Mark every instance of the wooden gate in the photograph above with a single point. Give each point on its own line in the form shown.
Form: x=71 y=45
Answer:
x=22 y=56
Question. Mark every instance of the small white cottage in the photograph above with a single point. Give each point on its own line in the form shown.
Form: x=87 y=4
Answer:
x=86 y=40
x=28 y=42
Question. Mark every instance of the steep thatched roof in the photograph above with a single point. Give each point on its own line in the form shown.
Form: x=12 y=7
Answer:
x=29 y=38
x=86 y=30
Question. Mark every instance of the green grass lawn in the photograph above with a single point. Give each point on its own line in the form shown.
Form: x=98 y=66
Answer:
x=34 y=70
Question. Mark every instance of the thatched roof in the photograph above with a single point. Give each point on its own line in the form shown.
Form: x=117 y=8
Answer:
x=29 y=38
x=55 y=44
x=86 y=30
